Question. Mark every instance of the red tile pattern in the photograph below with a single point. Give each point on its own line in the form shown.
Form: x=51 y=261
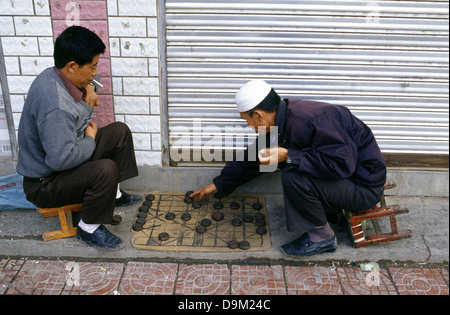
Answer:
x=148 y=279
x=56 y=277
x=312 y=281
x=419 y=281
x=258 y=280
x=94 y=278
x=203 y=280
x=40 y=278
x=357 y=282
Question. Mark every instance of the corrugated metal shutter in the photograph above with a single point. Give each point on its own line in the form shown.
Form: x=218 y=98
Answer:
x=387 y=61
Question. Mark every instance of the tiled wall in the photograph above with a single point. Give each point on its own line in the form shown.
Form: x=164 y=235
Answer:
x=129 y=68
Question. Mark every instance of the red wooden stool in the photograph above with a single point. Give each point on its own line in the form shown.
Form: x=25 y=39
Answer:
x=355 y=220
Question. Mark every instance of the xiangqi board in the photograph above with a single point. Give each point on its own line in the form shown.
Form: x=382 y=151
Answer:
x=238 y=222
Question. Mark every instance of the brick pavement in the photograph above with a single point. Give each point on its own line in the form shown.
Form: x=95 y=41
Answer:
x=66 y=277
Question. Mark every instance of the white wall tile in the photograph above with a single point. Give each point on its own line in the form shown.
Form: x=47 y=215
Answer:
x=137 y=7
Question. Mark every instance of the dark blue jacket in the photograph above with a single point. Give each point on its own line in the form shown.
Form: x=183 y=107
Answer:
x=323 y=140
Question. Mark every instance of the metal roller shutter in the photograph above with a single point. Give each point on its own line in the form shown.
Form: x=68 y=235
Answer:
x=387 y=61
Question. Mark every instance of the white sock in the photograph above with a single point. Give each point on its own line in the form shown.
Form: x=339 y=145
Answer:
x=119 y=193
x=89 y=228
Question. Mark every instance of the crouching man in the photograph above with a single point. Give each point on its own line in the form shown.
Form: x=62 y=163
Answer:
x=329 y=161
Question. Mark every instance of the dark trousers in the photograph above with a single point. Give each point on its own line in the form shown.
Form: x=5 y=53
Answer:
x=93 y=183
x=308 y=200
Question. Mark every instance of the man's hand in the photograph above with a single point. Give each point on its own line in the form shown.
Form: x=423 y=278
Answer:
x=91 y=97
x=91 y=130
x=273 y=155
x=204 y=192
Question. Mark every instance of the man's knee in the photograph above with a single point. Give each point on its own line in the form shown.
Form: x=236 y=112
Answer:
x=290 y=178
x=107 y=170
x=120 y=129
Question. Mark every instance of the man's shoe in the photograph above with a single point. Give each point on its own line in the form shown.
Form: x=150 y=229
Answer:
x=127 y=199
x=303 y=246
x=100 y=239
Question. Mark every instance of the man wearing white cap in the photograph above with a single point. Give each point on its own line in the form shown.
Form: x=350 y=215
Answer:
x=329 y=161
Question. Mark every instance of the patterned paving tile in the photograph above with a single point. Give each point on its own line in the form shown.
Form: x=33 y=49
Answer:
x=357 y=282
x=148 y=279
x=8 y=270
x=66 y=277
x=419 y=281
x=258 y=280
x=312 y=281
x=40 y=277
x=94 y=278
x=203 y=280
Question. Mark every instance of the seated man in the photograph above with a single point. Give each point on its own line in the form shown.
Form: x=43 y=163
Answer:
x=63 y=157
x=329 y=161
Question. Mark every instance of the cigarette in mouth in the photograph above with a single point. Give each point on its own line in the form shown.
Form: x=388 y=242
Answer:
x=98 y=83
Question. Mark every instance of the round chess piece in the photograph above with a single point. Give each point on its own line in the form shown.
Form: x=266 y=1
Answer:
x=234 y=206
x=140 y=221
x=188 y=200
x=147 y=203
x=206 y=222
x=200 y=229
x=257 y=206
x=163 y=236
x=116 y=219
x=244 y=245
x=186 y=217
x=170 y=216
x=247 y=218
x=189 y=193
x=261 y=230
x=233 y=244
x=217 y=216
x=197 y=204
x=150 y=197
x=142 y=215
x=143 y=209
x=218 y=205
x=236 y=222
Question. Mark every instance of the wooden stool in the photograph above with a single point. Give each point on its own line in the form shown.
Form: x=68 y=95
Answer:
x=355 y=220
x=65 y=219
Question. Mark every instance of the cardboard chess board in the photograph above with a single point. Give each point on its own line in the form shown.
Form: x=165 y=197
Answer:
x=183 y=236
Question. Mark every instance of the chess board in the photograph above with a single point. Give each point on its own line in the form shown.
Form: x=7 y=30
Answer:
x=183 y=235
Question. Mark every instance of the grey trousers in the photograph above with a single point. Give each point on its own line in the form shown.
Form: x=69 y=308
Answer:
x=309 y=199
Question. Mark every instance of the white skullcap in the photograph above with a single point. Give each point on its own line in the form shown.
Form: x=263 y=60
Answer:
x=251 y=94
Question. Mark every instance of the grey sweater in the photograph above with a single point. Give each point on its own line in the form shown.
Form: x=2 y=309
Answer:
x=51 y=130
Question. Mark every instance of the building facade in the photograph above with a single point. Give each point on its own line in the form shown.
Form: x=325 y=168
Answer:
x=172 y=68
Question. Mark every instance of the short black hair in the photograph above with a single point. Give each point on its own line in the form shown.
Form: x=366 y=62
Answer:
x=78 y=44
x=269 y=104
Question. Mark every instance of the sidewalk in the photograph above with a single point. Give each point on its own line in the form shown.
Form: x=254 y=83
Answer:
x=418 y=265
x=70 y=277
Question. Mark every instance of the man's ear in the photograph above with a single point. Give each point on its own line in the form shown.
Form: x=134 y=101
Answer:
x=71 y=66
x=258 y=115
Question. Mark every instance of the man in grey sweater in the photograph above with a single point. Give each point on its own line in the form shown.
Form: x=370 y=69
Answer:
x=63 y=157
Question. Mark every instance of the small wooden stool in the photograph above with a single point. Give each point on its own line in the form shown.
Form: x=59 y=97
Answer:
x=355 y=219
x=65 y=219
